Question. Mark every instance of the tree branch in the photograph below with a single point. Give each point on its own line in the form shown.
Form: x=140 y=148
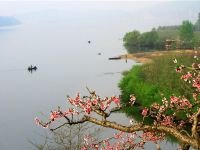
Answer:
x=71 y=123
x=195 y=124
x=140 y=127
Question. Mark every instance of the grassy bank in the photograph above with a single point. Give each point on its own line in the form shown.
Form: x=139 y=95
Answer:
x=151 y=81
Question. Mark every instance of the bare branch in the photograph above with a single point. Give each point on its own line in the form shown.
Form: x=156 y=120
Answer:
x=71 y=123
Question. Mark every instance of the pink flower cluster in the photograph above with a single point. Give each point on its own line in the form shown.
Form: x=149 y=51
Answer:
x=152 y=136
x=186 y=76
x=85 y=104
x=168 y=120
x=180 y=68
x=119 y=135
x=174 y=100
x=56 y=115
x=88 y=104
x=145 y=112
x=196 y=83
x=123 y=140
x=155 y=106
x=181 y=103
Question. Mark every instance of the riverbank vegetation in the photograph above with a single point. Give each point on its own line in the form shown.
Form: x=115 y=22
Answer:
x=150 y=82
x=185 y=36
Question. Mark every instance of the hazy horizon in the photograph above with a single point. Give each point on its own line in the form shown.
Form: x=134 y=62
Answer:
x=156 y=13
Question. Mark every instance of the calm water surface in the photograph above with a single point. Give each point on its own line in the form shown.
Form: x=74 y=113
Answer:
x=66 y=64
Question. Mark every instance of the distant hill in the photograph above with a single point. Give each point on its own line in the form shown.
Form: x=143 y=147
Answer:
x=8 y=21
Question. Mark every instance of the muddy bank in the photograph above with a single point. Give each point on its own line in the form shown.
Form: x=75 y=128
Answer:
x=146 y=57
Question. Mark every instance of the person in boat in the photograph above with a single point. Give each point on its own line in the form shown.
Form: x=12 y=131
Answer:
x=31 y=68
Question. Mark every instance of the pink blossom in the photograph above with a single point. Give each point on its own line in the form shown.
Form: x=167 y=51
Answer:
x=165 y=102
x=88 y=109
x=95 y=102
x=167 y=121
x=70 y=111
x=186 y=76
x=116 y=100
x=84 y=148
x=37 y=121
x=185 y=103
x=132 y=99
x=181 y=124
x=174 y=100
x=144 y=112
x=102 y=106
x=155 y=106
x=179 y=69
x=54 y=115
x=162 y=108
x=89 y=102
x=196 y=83
x=119 y=135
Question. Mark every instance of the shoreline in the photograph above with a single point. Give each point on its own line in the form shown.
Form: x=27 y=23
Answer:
x=147 y=57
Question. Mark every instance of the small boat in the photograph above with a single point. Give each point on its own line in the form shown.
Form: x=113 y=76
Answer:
x=114 y=58
x=32 y=68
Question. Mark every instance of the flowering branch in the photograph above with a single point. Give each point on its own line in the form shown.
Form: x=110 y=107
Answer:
x=164 y=117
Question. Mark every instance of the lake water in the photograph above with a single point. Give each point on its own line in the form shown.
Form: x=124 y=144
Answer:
x=66 y=64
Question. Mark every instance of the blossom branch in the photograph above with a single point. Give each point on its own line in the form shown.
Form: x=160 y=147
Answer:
x=141 y=127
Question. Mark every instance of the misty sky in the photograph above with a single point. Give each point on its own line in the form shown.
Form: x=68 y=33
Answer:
x=12 y=7
x=142 y=15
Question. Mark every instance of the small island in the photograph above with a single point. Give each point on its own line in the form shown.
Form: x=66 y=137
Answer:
x=8 y=21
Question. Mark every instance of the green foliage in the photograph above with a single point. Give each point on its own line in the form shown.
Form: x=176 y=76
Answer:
x=197 y=40
x=132 y=41
x=168 y=34
x=149 y=40
x=187 y=34
x=150 y=82
x=197 y=24
x=135 y=42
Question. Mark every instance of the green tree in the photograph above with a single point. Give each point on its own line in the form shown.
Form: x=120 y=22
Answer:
x=197 y=24
x=187 y=34
x=132 y=41
x=149 y=40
